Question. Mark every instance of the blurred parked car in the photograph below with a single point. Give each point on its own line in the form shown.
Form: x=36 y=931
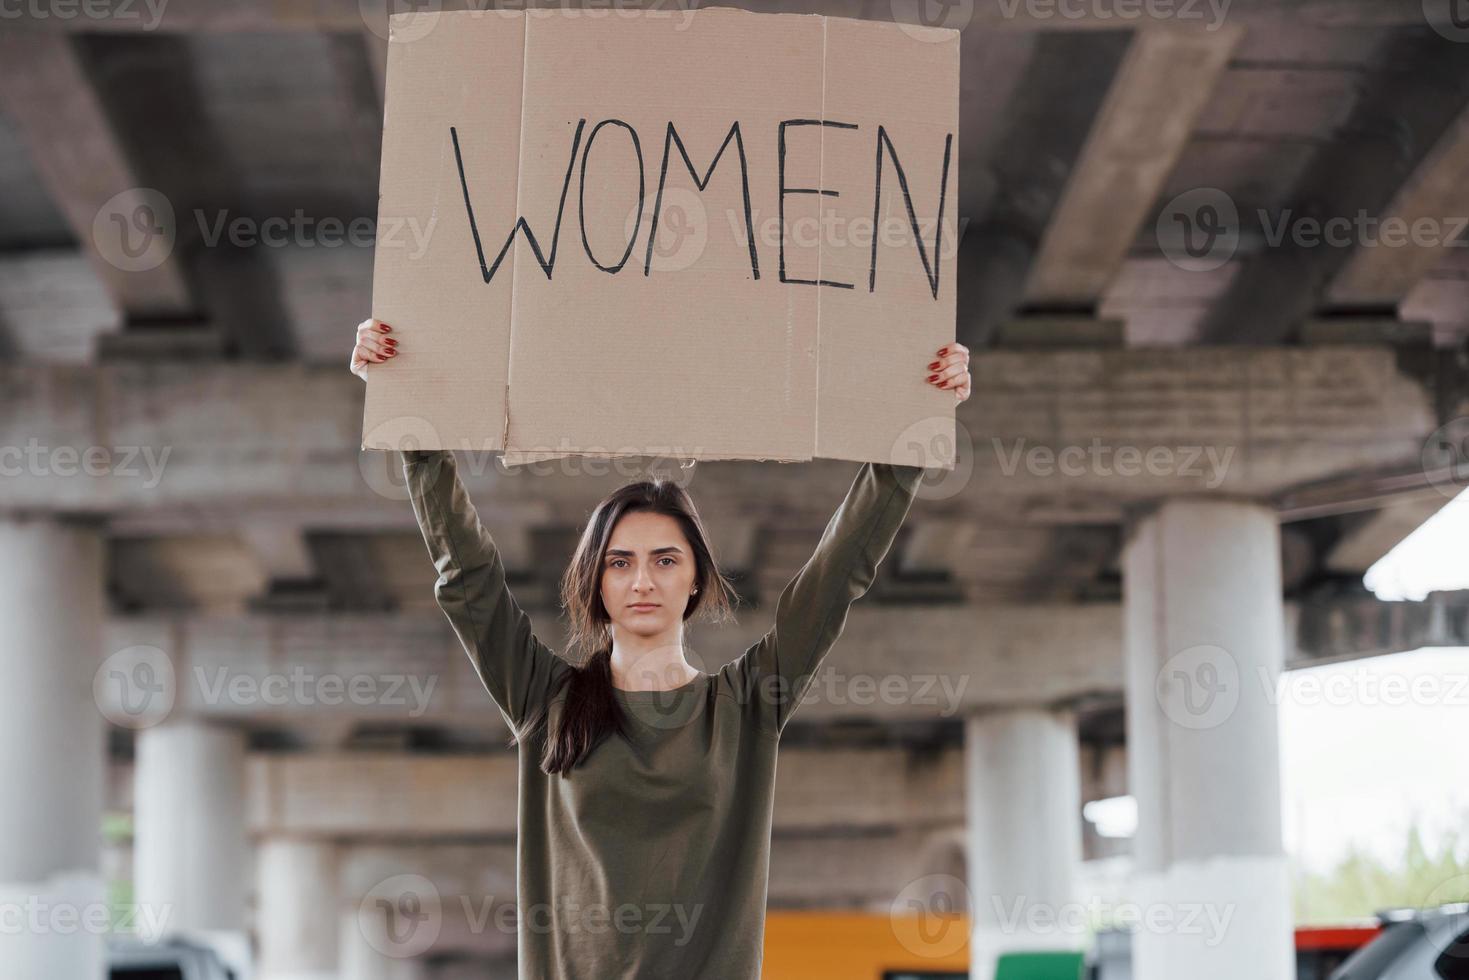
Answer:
x=173 y=959
x=1423 y=944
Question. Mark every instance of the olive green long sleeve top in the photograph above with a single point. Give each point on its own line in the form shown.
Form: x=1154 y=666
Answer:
x=650 y=859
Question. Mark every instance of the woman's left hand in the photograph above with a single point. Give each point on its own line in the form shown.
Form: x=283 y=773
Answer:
x=951 y=370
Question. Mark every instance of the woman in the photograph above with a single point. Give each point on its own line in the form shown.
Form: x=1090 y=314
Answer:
x=645 y=784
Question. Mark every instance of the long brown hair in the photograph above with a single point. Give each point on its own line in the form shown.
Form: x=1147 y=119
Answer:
x=591 y=712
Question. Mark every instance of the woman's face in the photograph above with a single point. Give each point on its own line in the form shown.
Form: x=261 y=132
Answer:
x=647 y=573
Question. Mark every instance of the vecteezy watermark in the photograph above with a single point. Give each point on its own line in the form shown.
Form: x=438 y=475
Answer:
x=828 y=685
x=1202 y=686
x=1198 y=687
x=300 y=687
x=927 y=443
x=1445 y=457
x=402 y=916
x=1450 y=18
x=1210 y=14
x=1099 y=459
x=920 y=18
x=301 y=230
x=123 y=462
x=135 y=687
x=137 y=230
x=1019 y=916
x=836 y=230
x=1365 y=685
x=1201 y=230
x=138 y=687
x=149 y=12
x=419 y=18
x=928 y=915
x=36 y=915
x=382 y=470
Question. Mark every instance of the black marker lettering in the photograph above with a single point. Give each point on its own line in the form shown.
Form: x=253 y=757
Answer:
x=784 y=190
x=933 y=273
x=672 y=137
x=582 y=203
x=488 y=271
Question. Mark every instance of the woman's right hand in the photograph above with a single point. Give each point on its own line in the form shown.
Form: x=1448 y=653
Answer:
x=373 y=346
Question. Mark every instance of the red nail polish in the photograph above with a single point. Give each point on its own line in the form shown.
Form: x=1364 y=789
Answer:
x=943 y=350
x=934 y=364
x=385 y=328
x=932 y=376
x=391 y=342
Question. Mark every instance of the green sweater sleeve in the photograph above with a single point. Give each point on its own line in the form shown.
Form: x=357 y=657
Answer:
x=515 y=667
x=812 y=609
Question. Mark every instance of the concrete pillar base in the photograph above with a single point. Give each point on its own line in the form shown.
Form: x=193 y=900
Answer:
x=54 y=928
x=1193 y=904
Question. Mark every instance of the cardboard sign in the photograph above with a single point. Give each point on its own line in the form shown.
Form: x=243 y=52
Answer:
x=706 y=234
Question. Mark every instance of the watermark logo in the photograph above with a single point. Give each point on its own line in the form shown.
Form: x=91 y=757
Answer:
x=120 y=462
x=928 y=916
x=919 y=18
x=1450 y=18
x=1205 y=464
x=402 y=916
x=136 y=687
x=682 y=231
x=928 y=439
x=1210 y=14
x=1199 y=230
x=1445 y=457
x=150 y=12
x=1198 y=688
x=419 y=18
x=134 y=231
x=382 y=470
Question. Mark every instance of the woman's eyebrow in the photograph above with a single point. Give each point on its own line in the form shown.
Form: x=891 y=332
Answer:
x=670 y=549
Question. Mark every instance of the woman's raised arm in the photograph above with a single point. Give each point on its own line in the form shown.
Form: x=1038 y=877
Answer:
x=513 y=664
x=812 y=609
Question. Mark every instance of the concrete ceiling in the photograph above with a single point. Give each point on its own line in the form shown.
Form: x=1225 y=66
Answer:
x=1076 y=136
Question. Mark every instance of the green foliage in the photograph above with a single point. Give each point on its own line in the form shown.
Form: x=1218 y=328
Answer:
x=1361 y=884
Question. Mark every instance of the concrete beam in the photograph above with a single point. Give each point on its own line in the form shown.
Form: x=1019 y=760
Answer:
x=371 y=795
x=1397 y=118
x=1059 y=436
x=1164 y=81
x=409 y=670
x=46 y=93
x=1436 y=192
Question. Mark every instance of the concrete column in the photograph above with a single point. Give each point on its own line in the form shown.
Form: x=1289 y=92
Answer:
x=297 y=915
x=52 y=751
x=1023 y=825
x=367 y=938
x=1204 y=637
x=192 y=853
